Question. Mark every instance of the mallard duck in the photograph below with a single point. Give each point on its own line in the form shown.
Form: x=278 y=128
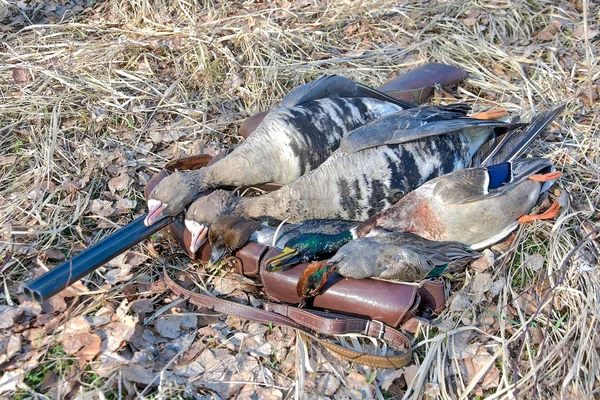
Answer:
x=389 y=255
x=476 y=206
x=230 y=233
x=295 y=137
x=363 y=177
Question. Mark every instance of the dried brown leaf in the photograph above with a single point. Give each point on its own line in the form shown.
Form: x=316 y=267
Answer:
x=138 y=374
x=114 y=334
x=545 y=35
x=9 y=346
x=11 y=380
x=470 y=21
x=386 y=377
x=21 y=75
x=534 y=262
x=119 y=183
x=7 y=160
x=580 y=31
x=9 y=315
x=327 y=384
x=102 y=208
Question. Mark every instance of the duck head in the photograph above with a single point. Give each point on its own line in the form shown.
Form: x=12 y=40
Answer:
x=314 y=278
x=308 y=247
x=170 y=197
x=203 y=212
x=228 y=234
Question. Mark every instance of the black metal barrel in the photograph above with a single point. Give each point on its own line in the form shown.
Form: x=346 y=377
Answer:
x=45 y=286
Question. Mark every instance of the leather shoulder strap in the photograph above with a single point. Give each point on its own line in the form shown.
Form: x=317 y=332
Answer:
x=310 y=323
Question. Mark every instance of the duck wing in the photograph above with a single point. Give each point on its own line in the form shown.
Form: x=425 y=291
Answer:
x=473 y=184
x=335 y=85
x=516 y=141
x=409 y=125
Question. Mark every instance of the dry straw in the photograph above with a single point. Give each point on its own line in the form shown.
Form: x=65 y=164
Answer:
x=97 y=96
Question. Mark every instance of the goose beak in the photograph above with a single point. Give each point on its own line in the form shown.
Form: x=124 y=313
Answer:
x=199 y=232
x=282 y=260
x=215 y=256
x=155 y=211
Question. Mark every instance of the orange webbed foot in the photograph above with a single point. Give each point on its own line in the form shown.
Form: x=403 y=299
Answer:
x=491 y=114
x=546 y=177
x=548 y=214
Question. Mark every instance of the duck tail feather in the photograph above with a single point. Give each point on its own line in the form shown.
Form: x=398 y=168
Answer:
x=516 y=142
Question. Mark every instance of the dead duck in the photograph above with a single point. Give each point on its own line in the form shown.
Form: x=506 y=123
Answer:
x=295 y=137
x=376 y=165
x=230 y=233
x=397 y=256
x=477 y=206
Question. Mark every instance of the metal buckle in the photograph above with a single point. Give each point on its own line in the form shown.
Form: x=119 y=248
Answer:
x=381 y=328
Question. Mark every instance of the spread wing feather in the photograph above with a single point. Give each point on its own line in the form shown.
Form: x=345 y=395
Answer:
x=408 y=125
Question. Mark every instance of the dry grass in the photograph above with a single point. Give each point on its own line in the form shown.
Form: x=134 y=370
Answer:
x=112 y=90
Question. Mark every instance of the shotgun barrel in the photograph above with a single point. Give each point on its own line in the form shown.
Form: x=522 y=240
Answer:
x=45 y=286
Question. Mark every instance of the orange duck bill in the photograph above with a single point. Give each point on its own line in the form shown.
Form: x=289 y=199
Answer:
x=199 y=232
x=314 y=278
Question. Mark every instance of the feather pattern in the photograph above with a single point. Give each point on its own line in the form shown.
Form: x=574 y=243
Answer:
x=397 y=255
x=290 y=141
x=358 y=185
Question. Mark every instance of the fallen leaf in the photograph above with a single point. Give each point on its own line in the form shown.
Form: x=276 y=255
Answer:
x=358 y=382
x=11 y=380
x=269 y=394
x=21 y=75
x=53 y=254
x=119 y=183
x=114 y=334
x=142 y=306
x=9 y=346
x=116 y=275
x=545 y=35
x=145 y=357
x=8 y=316
x=190 y=370
x=126 y=204
x=481 y=284
x=50 y=380
x=138 y=374
x=484 y=263
x=386 y=377
x=327 y=384
x=102 y=208
x=534 y=262
x=460 y=301
x=7 y=160
x=579 y=32
x=470 y=21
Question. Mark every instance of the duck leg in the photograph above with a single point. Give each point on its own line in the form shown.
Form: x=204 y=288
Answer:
x=548 y=214
x=554 y=208
x=546 y=177
x=491 y=114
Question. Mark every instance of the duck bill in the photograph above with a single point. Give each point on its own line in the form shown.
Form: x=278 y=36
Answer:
x=155 y=211
x=215 y=256
x=199 y=232
x=286 y=258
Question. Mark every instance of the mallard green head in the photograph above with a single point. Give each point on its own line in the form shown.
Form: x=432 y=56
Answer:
x=314 y=278
x=308 y=247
